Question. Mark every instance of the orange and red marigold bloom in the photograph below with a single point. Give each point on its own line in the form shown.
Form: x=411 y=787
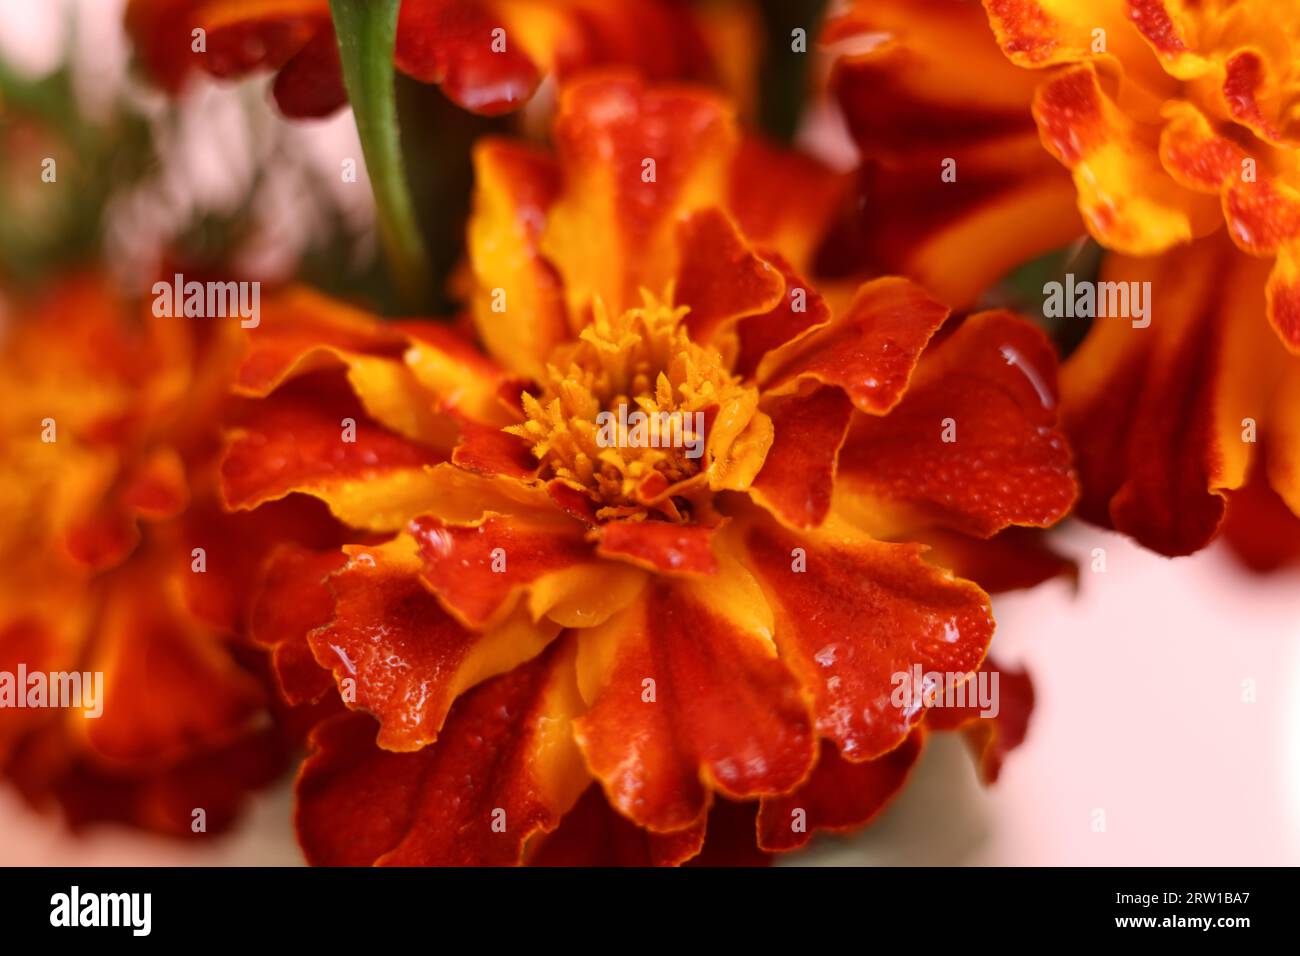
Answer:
x=119 y=560
x=1170 y=126
x=543 y=634
x=488 y=56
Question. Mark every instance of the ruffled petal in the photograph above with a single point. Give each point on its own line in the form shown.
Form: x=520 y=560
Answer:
x=592 y=834
x=660 y=546
x=1127 y=202
x=481 y=570
x=974 y=444
x=784 y=200
x=840 y=795
x=169 y=684
x=687 y=696
x=296 y=441
x=635 y=159
x=518 y=305
x=721 y=278
x=1156 y=416
x=401 y=656
x=992 y=738
x=454 y=43
x=294 y=599
x=869 y=352
x=852 y=613
x=505 y=769
x=798 y=475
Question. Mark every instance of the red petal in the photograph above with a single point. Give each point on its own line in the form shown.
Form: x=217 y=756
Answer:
x=1011 y=559
x=450 y=42
x=869 y=351
x=859 y=613
x=992 y=738
x=406 y=658
x=607 y=131
x=974 y=444
x=480 y=570
x=506 y=757
x=293 y=600
x=720 y=277
x=799 y=310
x=592 y=834
x=310 y=85
x=660 y=546
x=294 y=441
x=725 y=713
x=799 y=473
x=840 y=795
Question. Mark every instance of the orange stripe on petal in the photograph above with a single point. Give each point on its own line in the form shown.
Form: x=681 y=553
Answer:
x=637 y=157
x=687 y=696
x=407 y=658
x=505 y=769
x=1126 y=200
x=851 y=613
x=301 y=331
x=480 y=571
x=518 y=305
x=295 y=442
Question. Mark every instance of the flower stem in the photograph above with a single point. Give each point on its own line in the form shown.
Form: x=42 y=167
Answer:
x=367 y=34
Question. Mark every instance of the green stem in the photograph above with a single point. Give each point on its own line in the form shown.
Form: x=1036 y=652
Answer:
x=367 y=34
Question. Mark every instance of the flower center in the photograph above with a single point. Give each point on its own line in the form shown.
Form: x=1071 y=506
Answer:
x=623 y=411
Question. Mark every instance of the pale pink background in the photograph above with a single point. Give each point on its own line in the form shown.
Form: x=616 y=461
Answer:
x=1139 y=680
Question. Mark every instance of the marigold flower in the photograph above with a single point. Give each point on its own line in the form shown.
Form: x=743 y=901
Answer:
x=107 y=443
x=489 y=56
x=1172 y=121
x=560 y=636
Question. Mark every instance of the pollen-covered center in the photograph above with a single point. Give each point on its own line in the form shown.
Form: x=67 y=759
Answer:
x=624 y=411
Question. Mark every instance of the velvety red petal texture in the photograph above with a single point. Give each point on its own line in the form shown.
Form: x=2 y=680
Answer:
x=687 y=696
x=319 y=441
x=504 y=769
x=798 y=475
x=974 y=445
x=851 y=613
x=869 y=351
x=397 y=654
x=721 y=278
x=293 y=600
x=635 y=159
x=479 y=570
x=592 y=834
x=840 y=795
x=660 y=546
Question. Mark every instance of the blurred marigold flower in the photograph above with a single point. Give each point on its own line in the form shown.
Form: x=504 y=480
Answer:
x=108 y=438
x=561 y=648
x=489 y=56
x=1176 y=123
